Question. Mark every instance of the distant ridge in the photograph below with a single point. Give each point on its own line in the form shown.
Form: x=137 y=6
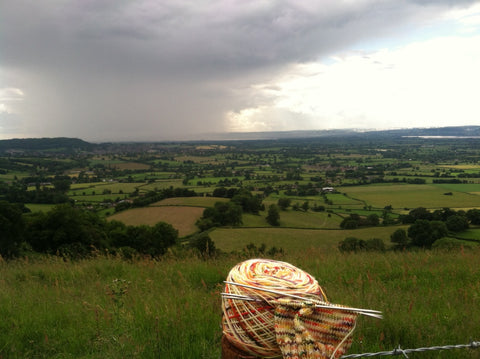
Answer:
x=451 y=131
x=63 y=144
x=67 y=144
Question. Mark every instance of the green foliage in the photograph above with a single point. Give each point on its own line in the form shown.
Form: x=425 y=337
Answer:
x=12 y=229
x=473 y=216
x=65 y=229
x=354 y=221
x=353 y=244
x=284 y=203
x=248 y=202
x=224 y=192
x=273 y=216
x=221 y=214
x=251 y=250
x=400 y=238
x=203 y=244
x=423 y=232
x=449 y=244
x=457 y=223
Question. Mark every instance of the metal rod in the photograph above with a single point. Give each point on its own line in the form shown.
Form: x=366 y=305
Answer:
x=317 y=303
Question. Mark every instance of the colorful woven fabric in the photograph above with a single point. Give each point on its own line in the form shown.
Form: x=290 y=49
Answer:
x=271 y=310
x=303 y=331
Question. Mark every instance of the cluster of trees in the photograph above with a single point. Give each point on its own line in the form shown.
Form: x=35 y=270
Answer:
x=155 y=196
x=69 y=231
x=55 y=193
x=427 y=227
x=230 y=213
x=354 y=220
x=221 y=214
x=353 y=244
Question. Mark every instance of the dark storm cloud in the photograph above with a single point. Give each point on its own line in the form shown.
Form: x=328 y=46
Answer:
x=90 y=67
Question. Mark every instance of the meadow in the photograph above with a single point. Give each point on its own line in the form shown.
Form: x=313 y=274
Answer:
x=170 y=308
x=413 y=196
x=291 y=239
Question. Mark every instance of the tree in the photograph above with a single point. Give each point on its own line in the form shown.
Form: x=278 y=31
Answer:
x=11 y=229
x=204 y=244
x=420 y=234
x=399 y=237
x=457 y=223
x=284 y=203
x=273 y=216
x=305 y=206
x=221 y=214
x=61 y=184
x=375 y=244
x=439 y=229
x=473 y=216
x=248 y=202
x=423 y=233
x=352 y=244
x=417 y=213
x=67 y=230
x=163 y=236
x=373 y=219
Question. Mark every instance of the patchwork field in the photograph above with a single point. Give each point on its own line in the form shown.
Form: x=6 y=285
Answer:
x=190 y=201
x=181 y=218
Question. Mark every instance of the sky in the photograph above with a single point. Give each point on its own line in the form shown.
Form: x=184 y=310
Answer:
x=147 y=70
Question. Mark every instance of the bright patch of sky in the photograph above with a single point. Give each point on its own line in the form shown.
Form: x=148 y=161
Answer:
x=424 y=80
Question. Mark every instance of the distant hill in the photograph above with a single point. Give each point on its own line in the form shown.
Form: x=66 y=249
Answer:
x=55 y=144
x=460 y=131
x=452 y=131
x=72 y=145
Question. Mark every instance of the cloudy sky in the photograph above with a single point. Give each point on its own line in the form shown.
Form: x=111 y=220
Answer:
x=182 y=69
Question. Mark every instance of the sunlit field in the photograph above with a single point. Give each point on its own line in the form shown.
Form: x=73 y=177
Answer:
x=412 y=196
x=180 y=217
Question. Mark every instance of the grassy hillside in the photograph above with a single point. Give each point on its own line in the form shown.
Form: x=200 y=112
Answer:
x=107 y=308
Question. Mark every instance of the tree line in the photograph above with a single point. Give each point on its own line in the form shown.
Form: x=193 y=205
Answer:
x=69 y=231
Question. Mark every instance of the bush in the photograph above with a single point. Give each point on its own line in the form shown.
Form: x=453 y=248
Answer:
x=375 y=244
x=352 y=244
x=284 y=203
x=204 y=244
x=447 y=243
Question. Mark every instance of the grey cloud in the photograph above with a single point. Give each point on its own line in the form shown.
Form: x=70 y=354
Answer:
x=173 y=66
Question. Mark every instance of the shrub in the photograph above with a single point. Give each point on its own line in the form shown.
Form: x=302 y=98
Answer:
x=352 y=244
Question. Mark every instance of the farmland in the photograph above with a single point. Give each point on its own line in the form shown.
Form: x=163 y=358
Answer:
x=113 y=299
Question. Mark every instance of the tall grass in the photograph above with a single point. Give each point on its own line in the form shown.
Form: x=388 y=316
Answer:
x=108 y=308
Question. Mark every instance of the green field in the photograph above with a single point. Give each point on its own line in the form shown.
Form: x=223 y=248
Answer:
x=99 y=187
x=295 y=219
x=230 y=239
x=411 y=196
x=35 y=207
x=190 y=201
x=109 y=308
